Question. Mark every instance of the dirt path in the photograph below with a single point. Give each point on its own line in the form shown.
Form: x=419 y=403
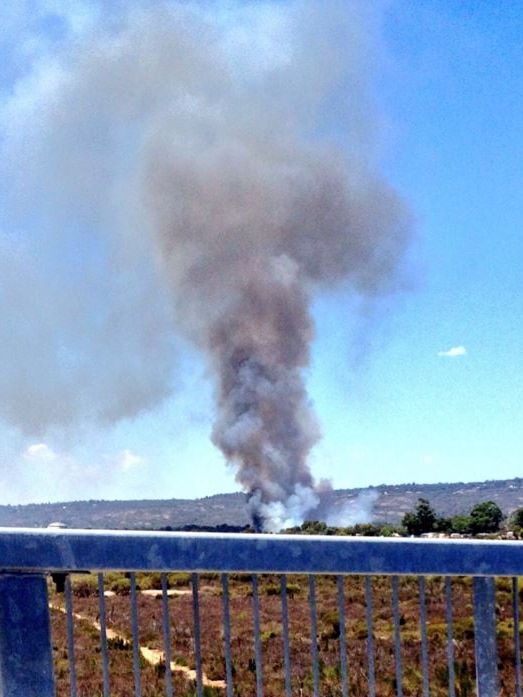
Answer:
x=152 y=656
x=172 y=591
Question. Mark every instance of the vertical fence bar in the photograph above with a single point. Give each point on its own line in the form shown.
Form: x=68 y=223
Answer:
x=197 y=635
x=343 y=638
x=136 y=637
x=314 y=637
x=450 y=636
x=370 y=637
x=517 y=638
x=257 y=638
x=397 y=636
x=285 y=632
x=26 y=652
x=485 y=637
x=103 y=634
x=166 y=637
x=423 y=630
x=70 y=635
x=227 y=633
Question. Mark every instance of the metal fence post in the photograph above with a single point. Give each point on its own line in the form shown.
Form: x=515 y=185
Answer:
x=26 y=653
x=485 y=637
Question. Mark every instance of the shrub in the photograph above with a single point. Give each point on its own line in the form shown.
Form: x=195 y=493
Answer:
x=149 y=581
x=84 y=585
x=121 y=586
x=179 y=580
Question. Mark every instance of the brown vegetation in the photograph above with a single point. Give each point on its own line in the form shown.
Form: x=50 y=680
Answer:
x=118 y=611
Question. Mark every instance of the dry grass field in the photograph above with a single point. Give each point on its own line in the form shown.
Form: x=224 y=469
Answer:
x=118 y=612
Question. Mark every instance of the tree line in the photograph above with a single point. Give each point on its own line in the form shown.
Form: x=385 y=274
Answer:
x=485 y=518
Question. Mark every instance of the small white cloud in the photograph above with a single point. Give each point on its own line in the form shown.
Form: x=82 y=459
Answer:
x=40 y=451
x=128 y=460
x=453 y=352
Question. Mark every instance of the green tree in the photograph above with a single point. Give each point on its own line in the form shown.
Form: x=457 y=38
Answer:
x=387 y=530
x=461 y=524
x=443 y=524
x=366 y=529
x=422 y=520
x=517 y=518
x=314 y=527
x=485 y=517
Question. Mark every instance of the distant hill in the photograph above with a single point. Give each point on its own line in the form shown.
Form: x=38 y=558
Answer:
x=228 y=510
x=446 y=499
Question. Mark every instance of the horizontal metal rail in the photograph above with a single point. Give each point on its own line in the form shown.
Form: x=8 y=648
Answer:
x=28 y=555
x=36 y=550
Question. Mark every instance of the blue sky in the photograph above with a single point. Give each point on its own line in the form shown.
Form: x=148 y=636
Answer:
x=423 y=386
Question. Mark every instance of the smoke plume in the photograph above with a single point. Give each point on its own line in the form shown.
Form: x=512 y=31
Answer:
x=231 y=150
x=253 y=211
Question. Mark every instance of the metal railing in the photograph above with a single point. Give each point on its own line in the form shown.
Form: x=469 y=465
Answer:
x=27 y=557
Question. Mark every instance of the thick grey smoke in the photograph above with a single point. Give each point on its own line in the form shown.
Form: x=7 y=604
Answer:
x=253 y=211
x=231 y=148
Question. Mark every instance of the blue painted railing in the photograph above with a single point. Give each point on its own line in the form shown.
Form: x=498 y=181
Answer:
x=28 y=556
